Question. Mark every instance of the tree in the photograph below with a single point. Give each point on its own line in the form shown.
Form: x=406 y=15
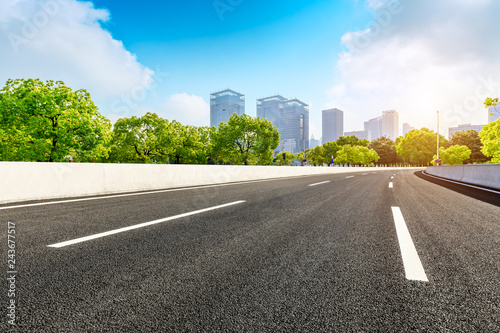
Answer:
x=490 y=102
x=356 y=155
x=453 y=155
x=330 y=149
x=245 y=140
x=48 y=121
x=471 y=139
x=385 y=149
x=352 y=140
x=490 y=138
x=289 y=158
x=143 y=139
x=317 y=155
x=418 y=146
x=187 y=145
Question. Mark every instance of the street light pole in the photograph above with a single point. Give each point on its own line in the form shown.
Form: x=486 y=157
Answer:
x=437 y=153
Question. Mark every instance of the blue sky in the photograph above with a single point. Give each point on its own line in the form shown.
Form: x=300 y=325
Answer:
x=362 y=56
x=258 y=48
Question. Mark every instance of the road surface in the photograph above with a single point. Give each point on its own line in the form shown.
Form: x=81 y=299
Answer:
x=355 y=252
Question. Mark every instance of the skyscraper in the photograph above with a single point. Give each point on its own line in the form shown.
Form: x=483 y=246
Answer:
x=385 y=125
x=464 y=127
x=332 y=124
x=374 y=128
x=290 y=117
x=223 y=104
x=406 y=128
x=362 y=135
x=390 y=124
x=269 y=108
x=293 y=125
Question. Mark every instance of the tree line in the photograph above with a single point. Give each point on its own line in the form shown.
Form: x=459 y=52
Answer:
x=48 y=121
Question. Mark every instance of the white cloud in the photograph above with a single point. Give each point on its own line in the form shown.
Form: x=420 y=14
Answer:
x=64 y=40
x=419 y=57
x=187 y=109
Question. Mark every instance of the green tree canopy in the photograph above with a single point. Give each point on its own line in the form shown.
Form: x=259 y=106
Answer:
x=490 y=102
x=419 y=146
x=490 y=138
x=143 y=139
x=245 y=140
x=356 y=155
x=385 y=149
x=352 y=140
x=471 y=139
x=187 y=145
x=453 y=155
x=317 y=155
x=48 y=121
x=289 y=158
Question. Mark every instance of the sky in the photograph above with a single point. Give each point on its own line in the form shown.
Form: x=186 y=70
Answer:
x=361 y=56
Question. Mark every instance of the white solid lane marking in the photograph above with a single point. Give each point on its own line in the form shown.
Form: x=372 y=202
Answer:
x=112 y=232
x=349 y=177
x=391 y=185
x=363 y=174
x=411 y=261
x=319 y=183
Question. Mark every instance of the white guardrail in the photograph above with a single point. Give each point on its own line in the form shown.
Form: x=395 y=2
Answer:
x=478 y=174
x=24 y=181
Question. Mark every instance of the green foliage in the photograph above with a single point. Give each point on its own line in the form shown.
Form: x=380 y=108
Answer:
x=453 y=155
x=490 y=138
x=385 y=149
x=143 y=139
x=356 y=155
x=289 y=158
x=490 y=102
x=317 y=155
x=471 y=139
x=245 y=140
x=187 y=145
x=48 y=121
x=418 y=146
x=352 y=140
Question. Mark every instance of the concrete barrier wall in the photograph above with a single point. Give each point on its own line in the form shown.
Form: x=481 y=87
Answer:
x=478 y=174
x=23 y=181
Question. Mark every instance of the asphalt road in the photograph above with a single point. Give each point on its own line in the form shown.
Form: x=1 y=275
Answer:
x=288 y=258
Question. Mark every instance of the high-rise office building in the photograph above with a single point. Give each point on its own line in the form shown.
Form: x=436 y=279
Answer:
x=293 y=125
x=223 y=104
x=362 y=135
x=313 y=142
x=374 y=128
x=385 y=125
x=464 y=127
x=493 y=113
x=269 y=108
x=332 y=124
x=407 y=128
x=290 y=117
x=390 y=124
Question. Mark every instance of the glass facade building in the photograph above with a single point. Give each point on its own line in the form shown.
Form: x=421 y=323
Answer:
x=290 y=117
x=269 y=108
x=332 y=124
x=293 y=126
x=223 y=104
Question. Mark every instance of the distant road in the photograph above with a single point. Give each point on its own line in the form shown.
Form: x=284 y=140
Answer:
x=375 y=251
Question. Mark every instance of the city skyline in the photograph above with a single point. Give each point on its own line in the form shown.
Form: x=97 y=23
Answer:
x=131 y=64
